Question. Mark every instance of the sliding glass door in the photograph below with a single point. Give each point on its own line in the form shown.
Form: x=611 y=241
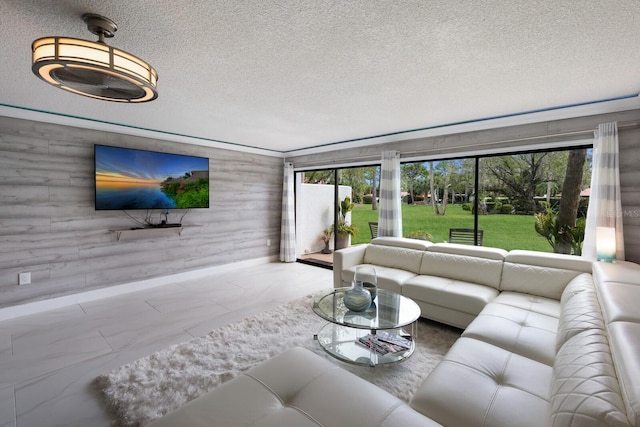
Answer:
x=534 y=200
x=322 y=208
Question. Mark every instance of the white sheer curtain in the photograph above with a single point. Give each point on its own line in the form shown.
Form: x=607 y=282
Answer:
x=389 y=209
x=288 y=225
x=605 y=207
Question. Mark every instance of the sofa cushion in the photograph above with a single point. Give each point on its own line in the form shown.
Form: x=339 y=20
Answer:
x=463 y=268
x=580 y=283
x=388 y=278
x=580 y=309
x=620 y=301
x=540 y=273
x=394 y=257
x=295 y=388
x=517 y=330
x=620 y=271
x=551 y=260
x=402 y=242
x=584 y=390
x=495 y=254
x=536 y=280
x=479 y=384
x=580 y=313
x=216 y=408
x=454 y=294
x=537 y=304
x=446 y=315
x=624 y=342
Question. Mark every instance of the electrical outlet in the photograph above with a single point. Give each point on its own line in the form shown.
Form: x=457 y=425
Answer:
x=268 y=242
x=24 y=278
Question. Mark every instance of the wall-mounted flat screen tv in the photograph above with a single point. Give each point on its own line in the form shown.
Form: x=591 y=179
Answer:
x=139 y=179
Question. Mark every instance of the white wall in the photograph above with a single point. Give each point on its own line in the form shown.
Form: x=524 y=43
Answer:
x=314 y=213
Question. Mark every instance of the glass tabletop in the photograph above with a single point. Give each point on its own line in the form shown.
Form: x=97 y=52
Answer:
x=388 y=310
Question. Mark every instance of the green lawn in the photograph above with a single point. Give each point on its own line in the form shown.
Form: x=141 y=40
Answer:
x=500 y=231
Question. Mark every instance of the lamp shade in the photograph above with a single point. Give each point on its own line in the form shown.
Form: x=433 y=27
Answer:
x=606 y=243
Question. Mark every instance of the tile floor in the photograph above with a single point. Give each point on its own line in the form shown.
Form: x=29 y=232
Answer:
x=49 y=360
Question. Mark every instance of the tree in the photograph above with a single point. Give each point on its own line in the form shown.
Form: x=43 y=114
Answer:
x=371 y=174
x=465 y=177
x=354 y=178
x=553 y=171
x=432 y=187
x=447 y=177
x=374 y=190
x=517 y=176
x=318 y=177
x=412 y=172
x=571 y=188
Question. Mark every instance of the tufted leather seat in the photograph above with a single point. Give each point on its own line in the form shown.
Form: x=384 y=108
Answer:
x=296 y=388
x=480 y=384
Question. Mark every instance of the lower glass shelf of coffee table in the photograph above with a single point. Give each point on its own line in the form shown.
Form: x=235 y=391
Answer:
x=341 y=342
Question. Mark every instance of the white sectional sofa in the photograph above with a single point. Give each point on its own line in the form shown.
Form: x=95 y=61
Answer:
x=453 y=283
x=549 y=340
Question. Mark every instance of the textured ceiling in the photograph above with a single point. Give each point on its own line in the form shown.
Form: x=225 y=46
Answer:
x=290 y=74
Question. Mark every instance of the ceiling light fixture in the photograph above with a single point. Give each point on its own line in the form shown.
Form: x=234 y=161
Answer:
x=92 y=68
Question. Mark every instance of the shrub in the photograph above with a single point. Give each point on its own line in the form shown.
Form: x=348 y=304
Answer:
x=420 y=235
x=505 y=208
x=583 y=206
x=522 y=208
x=367 y=199
x=467 y=206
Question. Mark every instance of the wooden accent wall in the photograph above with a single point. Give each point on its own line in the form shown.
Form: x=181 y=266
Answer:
x=629 y=145
x=511 y=139
x=49 y=227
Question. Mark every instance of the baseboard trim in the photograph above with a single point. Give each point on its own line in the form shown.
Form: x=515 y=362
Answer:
x=36 y=307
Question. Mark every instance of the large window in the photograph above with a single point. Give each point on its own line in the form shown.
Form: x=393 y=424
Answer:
x=529 y=200
x=533 y=200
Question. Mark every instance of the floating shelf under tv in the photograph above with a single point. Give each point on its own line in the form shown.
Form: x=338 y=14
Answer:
x=144 y=232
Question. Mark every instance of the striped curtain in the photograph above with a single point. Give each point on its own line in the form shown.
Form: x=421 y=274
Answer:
x=389 y=209
x=288 y=226
x=605 y=207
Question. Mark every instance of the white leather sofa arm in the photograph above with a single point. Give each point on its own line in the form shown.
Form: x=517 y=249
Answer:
x=345 y=258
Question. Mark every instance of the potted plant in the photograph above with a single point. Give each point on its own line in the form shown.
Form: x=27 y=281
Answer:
x=327 y=233
x=345 y=230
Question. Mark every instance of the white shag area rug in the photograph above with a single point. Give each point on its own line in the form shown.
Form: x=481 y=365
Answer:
x=153 y=386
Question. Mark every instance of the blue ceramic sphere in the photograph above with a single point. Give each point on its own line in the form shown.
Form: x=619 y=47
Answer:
x=357 y=299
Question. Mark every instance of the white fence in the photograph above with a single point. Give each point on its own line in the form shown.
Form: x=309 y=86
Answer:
x=314 y=213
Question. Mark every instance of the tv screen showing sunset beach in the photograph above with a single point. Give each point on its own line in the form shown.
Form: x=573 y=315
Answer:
x=138 y=179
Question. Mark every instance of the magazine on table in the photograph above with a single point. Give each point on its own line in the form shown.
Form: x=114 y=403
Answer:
x=394 y=339
x=385 y=342
x=372 y=343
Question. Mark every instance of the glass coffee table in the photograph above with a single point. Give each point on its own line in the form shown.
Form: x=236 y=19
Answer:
x=389 y=315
